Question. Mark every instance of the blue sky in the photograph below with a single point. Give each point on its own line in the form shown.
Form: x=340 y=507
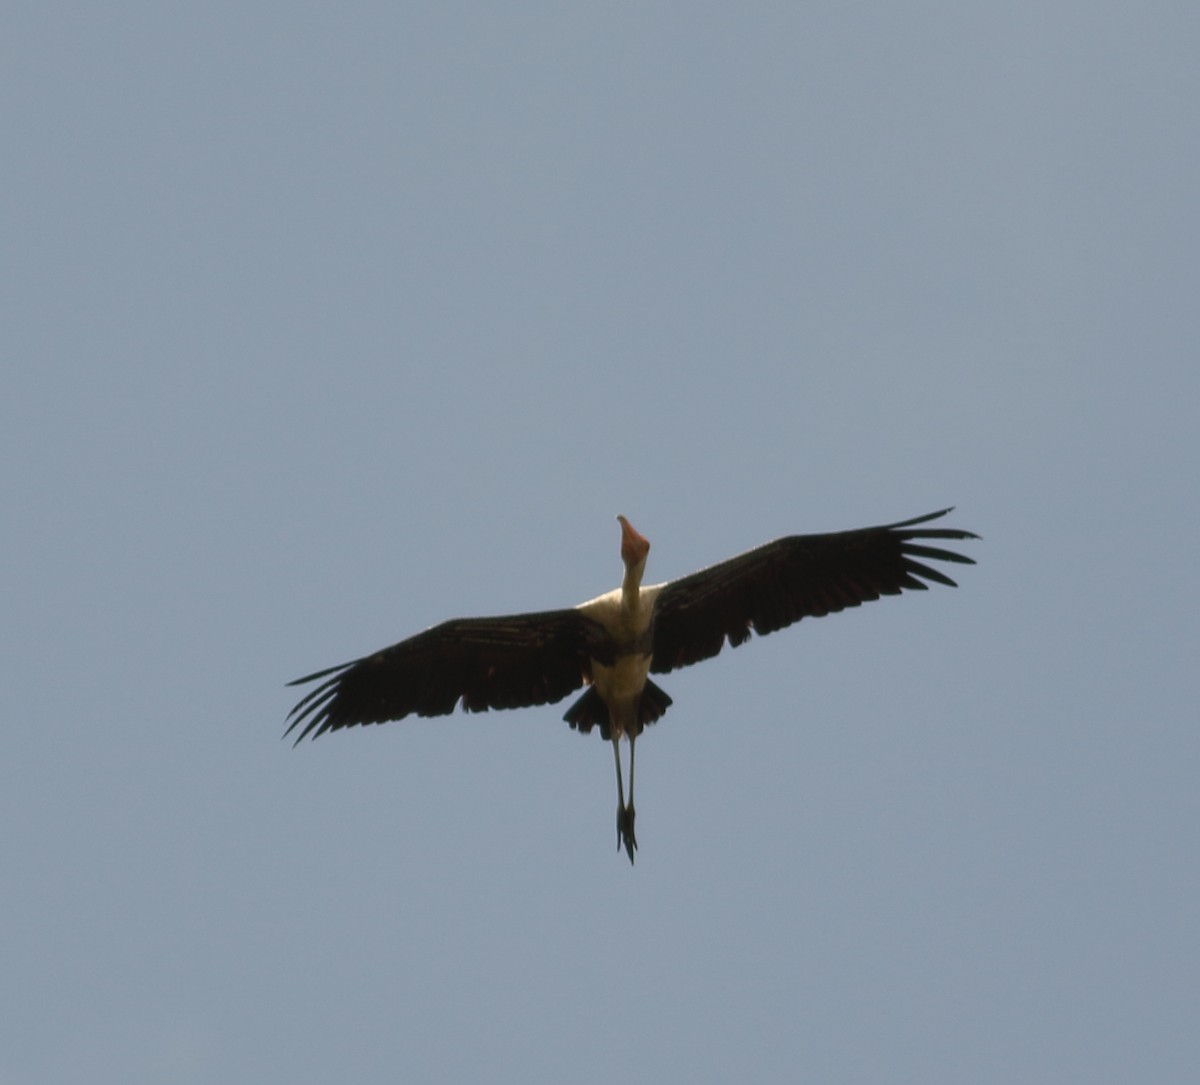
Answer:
x=322 y=324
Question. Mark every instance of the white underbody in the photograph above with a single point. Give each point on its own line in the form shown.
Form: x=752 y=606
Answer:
x=620 y=684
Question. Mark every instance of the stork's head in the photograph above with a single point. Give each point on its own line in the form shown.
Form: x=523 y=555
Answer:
x=634 y=547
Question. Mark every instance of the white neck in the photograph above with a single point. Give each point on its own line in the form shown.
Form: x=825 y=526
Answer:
x=631 y=585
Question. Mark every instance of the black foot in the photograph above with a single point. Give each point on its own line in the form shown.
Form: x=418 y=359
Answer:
x=625 y=816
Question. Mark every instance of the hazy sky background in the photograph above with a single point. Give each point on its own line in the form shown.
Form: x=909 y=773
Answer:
x=321 y=323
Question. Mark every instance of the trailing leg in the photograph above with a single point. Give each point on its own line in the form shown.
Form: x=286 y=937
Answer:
x=625 y=835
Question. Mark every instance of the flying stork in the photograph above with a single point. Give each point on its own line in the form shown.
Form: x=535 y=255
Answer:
x=611 y=645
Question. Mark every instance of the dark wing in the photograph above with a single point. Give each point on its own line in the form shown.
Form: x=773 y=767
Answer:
x=506 y=662
x=783 y=581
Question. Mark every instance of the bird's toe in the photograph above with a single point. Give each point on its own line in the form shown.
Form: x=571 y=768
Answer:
x=625 y=834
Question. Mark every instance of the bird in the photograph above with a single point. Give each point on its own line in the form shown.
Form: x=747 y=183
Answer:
x=610 y=645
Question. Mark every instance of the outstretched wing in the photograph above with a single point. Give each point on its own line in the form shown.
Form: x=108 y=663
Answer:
x=801 y=576
x=504 y=662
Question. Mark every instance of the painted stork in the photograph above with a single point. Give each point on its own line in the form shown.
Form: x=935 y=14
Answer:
x=611 y=645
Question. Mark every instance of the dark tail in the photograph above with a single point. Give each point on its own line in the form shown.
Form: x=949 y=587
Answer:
x=591 y=711
x=653 y=704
